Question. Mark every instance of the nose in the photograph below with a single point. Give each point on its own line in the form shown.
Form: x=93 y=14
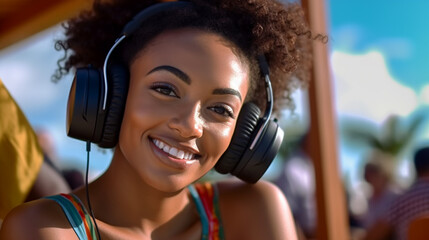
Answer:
x=187 y=121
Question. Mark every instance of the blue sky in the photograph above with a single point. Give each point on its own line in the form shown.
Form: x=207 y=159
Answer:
x=378 y=50
x=396 y=28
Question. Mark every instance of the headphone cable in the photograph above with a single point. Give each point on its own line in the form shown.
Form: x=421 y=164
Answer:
x=88 y=149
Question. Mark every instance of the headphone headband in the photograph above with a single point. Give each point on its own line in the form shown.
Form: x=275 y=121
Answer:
x=150 y=11
x=265 y=70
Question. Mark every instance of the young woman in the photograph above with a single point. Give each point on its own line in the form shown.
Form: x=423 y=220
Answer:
x=189 y=70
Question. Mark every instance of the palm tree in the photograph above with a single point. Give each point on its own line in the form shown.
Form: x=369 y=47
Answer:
x=388 y=142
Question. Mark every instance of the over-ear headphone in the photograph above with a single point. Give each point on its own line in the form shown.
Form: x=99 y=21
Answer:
x=97 y=101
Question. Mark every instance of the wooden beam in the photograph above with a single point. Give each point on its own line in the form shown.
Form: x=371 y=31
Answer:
x=33 y=19
x=332 y=214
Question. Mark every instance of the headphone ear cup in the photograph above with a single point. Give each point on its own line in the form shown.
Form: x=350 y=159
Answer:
x=246 y=122
x=118 y=87
x=83 y=104
x=254 y=163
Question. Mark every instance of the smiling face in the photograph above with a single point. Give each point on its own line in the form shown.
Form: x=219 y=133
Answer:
x=186 y=90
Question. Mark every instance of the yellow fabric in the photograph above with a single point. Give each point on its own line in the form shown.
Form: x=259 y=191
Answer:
x=20 y=154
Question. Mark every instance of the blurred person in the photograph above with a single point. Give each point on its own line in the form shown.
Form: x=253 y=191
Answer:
x=186 y=82
x=378 y=173
x=47 y=143
x=49 y=181
x=72 y=175
x=297 y=181
x=413 y=203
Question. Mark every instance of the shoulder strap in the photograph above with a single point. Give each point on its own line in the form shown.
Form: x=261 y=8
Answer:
x=76 y=215
x=205 y=196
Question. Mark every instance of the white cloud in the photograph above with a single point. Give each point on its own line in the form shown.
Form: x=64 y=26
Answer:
x=424 y=95
x=364 y=87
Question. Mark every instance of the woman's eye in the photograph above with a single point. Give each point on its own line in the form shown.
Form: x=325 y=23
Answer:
x=223 y=110
x=165 y=90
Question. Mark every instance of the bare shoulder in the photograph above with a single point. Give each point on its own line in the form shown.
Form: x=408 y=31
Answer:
x=260 y=193
x=38 y=219
x=255 y=211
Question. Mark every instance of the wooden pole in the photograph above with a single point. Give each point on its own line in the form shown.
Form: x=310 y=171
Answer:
x=332 y=223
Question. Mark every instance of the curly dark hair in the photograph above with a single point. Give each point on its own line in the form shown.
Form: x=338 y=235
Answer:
x=254 y=27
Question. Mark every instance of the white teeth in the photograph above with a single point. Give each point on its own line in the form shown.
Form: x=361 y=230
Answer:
x=173 y=151
x=180 y=154
x=189 y=156
x=166 y=149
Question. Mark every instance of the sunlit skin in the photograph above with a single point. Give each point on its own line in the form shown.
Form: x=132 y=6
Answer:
x=186 y=90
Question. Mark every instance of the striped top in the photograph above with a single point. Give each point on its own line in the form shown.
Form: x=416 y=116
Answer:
x=410 y=205
x=77 y=215
x=205 y=196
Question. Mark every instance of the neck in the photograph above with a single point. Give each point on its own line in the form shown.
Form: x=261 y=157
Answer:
x=120 y=192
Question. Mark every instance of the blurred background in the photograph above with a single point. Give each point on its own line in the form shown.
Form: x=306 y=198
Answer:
x=378 y=57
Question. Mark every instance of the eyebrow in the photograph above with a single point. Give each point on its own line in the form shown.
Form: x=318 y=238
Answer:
x=222 y=91
x=177 y=72
x=184 y=77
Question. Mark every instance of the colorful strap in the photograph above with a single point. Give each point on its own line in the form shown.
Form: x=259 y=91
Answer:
x=205 y=196
x=76 y=214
